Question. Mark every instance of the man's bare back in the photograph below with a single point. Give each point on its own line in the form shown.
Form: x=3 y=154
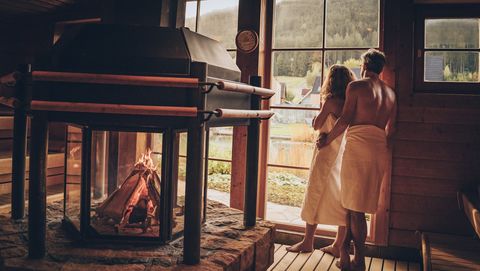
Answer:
x=375 y=102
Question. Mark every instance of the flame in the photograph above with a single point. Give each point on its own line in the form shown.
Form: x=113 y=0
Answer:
x=146 y=159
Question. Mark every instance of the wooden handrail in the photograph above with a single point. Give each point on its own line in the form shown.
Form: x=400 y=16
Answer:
x=243 y=114
x=236 y=87
x=115 y=79
x=149 y=110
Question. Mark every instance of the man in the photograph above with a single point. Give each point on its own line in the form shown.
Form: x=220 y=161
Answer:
x=369 y=114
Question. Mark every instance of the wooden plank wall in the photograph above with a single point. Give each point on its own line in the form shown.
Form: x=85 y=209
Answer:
x=437 y=145
x=19 y=43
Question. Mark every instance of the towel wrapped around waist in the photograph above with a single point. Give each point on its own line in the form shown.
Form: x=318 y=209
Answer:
x=363 y=167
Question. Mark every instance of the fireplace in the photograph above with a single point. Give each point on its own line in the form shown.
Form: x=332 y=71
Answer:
x=124 y=193
x=126 y=93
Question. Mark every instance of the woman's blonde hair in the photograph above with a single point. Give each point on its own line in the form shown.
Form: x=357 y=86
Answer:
x=336 y=82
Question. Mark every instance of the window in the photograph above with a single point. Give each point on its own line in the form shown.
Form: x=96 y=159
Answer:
x=308 y=37
x=217 y=19
x=448 y=49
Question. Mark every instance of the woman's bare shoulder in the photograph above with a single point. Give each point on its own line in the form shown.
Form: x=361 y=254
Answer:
x=333 y=105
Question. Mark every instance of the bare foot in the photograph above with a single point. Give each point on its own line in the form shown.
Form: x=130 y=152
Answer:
x=357 y=265
x=300 y=247
x=343 y=267
x=332 y=250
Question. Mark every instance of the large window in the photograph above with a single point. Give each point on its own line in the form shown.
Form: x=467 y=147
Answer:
x=448 y=50
x=308 y=37
x=217 y=19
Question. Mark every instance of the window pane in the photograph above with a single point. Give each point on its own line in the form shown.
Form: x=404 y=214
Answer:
x=219 y=172
x=349 y=58
x=285 y=192
x=352 y=23
x=452 y=33
x=451 y=67
x=220 y=144
x=191 y=15
x=297 y=77
x=219 y=20
x=292 y=137
x=298 y=23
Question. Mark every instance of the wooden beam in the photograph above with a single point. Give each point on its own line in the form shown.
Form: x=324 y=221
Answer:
x=253 y=148
x=239 y=161
x=37 y=188
x=115 y=79
x=147 y=110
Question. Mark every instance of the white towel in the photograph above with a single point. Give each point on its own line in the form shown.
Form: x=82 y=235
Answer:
x=363 y=167
x=321 y=204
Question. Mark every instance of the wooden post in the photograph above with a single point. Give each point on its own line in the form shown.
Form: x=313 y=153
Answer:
x=19 y=151
x=194 y=178
x=253 y=145
x=37 y=187
x=239 y=160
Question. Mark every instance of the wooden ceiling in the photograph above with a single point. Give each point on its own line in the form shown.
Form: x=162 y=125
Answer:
x=21 y=10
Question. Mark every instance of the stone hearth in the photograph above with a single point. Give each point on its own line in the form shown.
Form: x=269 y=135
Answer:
x=225 y=245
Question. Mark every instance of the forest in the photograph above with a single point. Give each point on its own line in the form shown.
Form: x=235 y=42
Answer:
x=348 y=24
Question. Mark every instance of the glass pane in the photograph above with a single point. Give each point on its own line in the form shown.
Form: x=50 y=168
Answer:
x=291 y=137
x=352 y=23
x=128 y=205
x=350 y=58
x=219 y=20
x=73 y=176
x=297 y=78
x=285 y=192
x=452 y=33
x=191 y=15
x=179 y=200
x=451 y=67
x=219 y=171
x=298 y=23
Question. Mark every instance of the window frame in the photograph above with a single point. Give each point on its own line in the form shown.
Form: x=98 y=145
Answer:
x=424 y=12
x=321 y=48
x=376 y=225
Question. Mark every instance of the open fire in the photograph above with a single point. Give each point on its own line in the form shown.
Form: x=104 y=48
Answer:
x=133 y=207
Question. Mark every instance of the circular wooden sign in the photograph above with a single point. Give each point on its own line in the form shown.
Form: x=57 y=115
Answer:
x=246 y=41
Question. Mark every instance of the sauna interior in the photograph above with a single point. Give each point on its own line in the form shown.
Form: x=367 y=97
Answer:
x=176 y=134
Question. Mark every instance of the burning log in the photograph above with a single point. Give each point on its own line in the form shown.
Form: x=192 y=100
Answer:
x=135 y=204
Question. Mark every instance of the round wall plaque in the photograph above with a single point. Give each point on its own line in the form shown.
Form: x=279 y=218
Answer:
x=246 y=41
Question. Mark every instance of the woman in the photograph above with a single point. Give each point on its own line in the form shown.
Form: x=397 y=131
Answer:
x=321 y=204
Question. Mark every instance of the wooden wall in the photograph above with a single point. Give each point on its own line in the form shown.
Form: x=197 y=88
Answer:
x=20 y=42
x=437 y=147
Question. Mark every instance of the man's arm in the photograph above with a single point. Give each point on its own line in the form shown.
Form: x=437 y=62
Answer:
x=347 y=115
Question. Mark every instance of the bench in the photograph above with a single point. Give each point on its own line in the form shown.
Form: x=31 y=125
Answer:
x=452 y=252
x=55 y=160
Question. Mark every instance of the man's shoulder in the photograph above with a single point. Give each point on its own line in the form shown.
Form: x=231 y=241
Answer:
x=360 y=83
x=357 y=85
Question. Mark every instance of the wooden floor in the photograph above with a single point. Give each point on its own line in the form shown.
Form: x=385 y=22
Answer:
x=319 y=261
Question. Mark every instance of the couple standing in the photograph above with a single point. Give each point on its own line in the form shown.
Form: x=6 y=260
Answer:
x=347 y=168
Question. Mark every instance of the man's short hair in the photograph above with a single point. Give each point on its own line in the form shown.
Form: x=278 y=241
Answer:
x=374 y=60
